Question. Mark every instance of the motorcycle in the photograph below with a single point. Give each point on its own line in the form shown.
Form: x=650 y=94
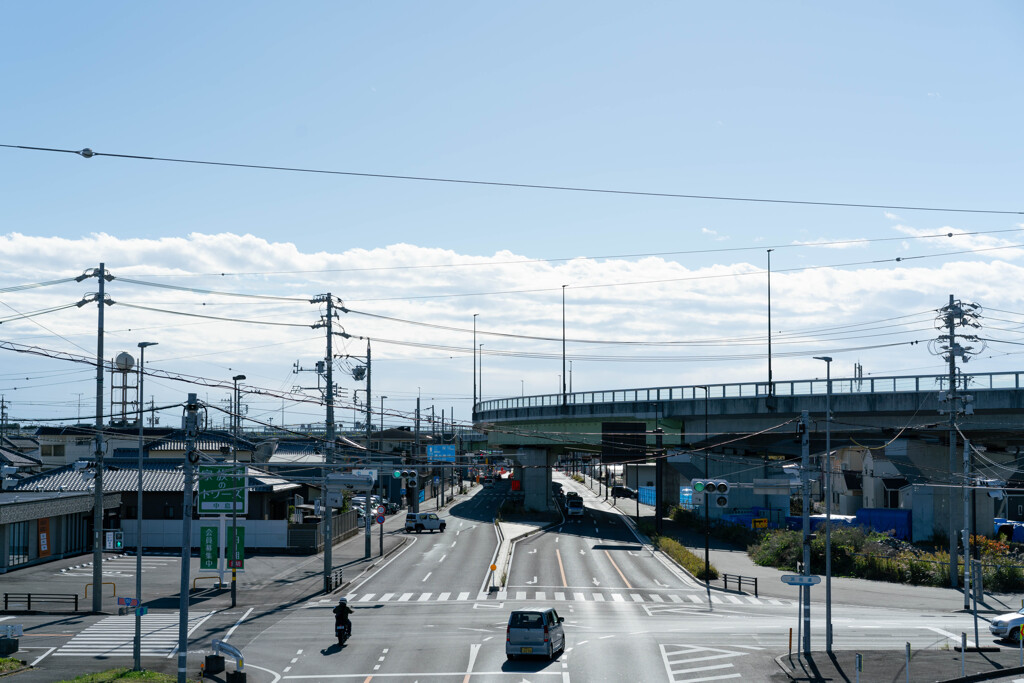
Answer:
x=344 y=632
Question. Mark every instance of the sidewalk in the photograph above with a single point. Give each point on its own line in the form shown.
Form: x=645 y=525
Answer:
x=890 y=666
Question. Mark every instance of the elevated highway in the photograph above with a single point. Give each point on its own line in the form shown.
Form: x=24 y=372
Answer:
x=870 y=406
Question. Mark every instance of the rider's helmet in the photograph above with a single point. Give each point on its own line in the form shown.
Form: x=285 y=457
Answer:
x=342 y=601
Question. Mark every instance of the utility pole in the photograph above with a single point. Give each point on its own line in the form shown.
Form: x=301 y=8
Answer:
x=327 y=321
x=953 y=315
x=191 y=458
x=659 y=472
x=236 y=414
x=771 y=384
x=100 y=298
x=414 y=495
x=474 y=368
x=805 y=487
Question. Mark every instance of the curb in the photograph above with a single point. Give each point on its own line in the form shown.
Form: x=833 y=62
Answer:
x=24 y=667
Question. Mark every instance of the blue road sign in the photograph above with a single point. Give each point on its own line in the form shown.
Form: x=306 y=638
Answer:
x=401 y=491
x=128 y=602
x=798 y=580
x=380 y=519
x=444 y=453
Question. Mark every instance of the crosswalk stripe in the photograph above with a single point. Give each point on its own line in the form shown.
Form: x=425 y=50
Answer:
x=113 y=636
x=694 y=599
x=579 y=596
x=618 y=598
x=675 y=598
x=424 y=597
x=753 y=600
x=541 y=595
x=560 y=596
x=405 y=597
x=386 y=597
x=636 y=597
x=598 y=597
x=733 y=599
x=716 y=600
x=463 y=596
x=443 y=596
x=367 y=597
x=563 y=596
x=520 y=595
x=657 y=598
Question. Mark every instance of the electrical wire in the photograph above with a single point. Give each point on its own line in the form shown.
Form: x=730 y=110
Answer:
x=88 y=153
x=566 y=259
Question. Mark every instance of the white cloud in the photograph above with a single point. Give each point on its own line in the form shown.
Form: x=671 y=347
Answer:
x=718 y=308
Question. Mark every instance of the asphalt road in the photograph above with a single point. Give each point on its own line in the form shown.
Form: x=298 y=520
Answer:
x=423 y=612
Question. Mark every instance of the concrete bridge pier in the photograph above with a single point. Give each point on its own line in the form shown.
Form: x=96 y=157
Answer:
x=536 y=465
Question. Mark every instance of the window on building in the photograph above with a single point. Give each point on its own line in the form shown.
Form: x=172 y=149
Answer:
x=17 y=545
x=52 y=451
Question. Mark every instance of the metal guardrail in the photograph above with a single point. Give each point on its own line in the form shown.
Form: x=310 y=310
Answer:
x=739 y=581
x=334 y=580
x=28 y=598
x=105 y=583
x=805 y=387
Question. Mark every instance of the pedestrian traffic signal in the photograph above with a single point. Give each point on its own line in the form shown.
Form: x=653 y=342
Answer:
x=118 y=540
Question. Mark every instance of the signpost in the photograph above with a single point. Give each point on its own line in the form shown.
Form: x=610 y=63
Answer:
x=800 y=580
x=222 y=489
x=209 y=547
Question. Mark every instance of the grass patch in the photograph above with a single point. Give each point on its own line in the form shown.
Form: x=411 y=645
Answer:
x=123 y=674
x=10 y=664
x=686 y=559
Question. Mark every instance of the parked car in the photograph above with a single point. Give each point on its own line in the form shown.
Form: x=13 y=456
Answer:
x=534 y=632
x=1007 y=626
x=623 y=492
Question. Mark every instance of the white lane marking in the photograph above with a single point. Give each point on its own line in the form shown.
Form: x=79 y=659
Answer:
x=237 y=624
x=426 y=577
x=42 y=656
x=596 y=582
x=954 y=638
x=453 y=544
x=397 y=555
x=442 y=558
x=473 y=649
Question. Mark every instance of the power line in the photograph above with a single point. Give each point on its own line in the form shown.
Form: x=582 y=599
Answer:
x=565 y=259
x=88 y=154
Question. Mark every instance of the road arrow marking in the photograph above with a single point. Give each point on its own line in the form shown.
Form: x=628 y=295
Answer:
x=532 y=552
x=596 y=582
x=530 y=583
x=582 y=551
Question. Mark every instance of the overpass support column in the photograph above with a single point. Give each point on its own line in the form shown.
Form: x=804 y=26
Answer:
x=536 y=466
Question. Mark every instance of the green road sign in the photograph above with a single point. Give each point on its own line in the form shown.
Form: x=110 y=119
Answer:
x=236 y=551
x=220 y=489
x=209 y=548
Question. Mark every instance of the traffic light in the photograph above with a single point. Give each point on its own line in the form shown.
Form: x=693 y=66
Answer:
x=397 y=474
x=719 y=492
x=717 y=489
x=410 y=478
x=118 y=540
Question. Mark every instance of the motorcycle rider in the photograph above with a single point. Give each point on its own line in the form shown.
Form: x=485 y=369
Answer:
x=341 y=615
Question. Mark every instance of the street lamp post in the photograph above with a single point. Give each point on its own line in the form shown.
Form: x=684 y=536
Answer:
x=474 y=365
x=137 y=642
x=236 y=423
x=828 y=501
x=563 y=376
x=771 y=385
x=481 y=372
x=707 y=522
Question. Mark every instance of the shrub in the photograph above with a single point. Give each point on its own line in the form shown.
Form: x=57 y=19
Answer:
x=685 y=558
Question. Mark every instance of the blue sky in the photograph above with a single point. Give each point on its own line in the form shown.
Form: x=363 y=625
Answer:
x=915 y=104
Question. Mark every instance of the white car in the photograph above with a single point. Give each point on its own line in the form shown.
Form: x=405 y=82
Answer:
x=1007 y=626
